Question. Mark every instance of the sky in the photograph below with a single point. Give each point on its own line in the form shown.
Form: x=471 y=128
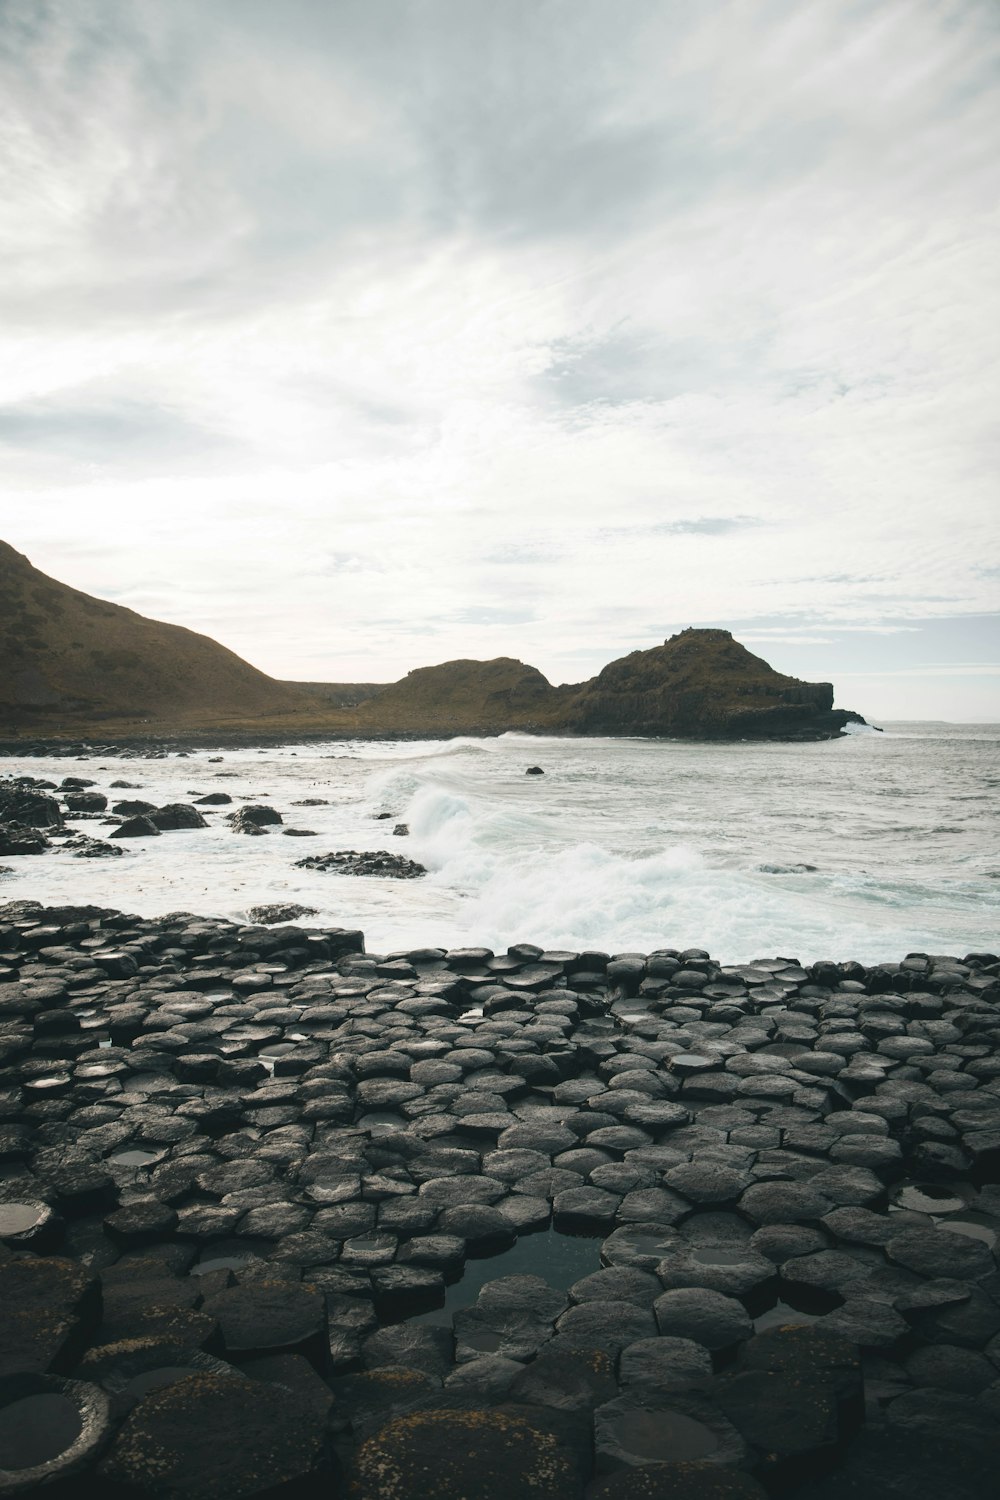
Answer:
x=366 y=334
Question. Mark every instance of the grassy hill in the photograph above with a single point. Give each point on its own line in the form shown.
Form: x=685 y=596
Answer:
x=74 y=667
x=465 y=697
x=68 y=660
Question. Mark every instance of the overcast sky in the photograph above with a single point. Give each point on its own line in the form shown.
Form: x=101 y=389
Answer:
x=364 y=334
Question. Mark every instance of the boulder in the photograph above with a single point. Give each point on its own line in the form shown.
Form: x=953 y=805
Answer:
x=177 y=815
x=139 y=827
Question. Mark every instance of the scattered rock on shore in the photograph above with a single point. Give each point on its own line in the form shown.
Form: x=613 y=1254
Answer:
x=367 y=862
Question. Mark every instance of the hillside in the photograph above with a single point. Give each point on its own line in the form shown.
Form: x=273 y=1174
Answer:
x=67 y=659
x=464 y=697
x=74 y=666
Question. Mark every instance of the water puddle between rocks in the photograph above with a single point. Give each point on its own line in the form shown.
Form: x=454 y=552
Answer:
x=135 y=1156
x=231 y=1255
x=381 y=1122
x=15 y=1218
x=560 y=1259
x=664 y=1436
x=975 y=1226
x=37 y=1429
x=929 y=1198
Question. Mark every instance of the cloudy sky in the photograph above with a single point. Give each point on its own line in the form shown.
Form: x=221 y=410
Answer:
x=363 y=334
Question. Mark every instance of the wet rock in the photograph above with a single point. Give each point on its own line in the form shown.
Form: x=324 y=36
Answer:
x=51 y=1430
x=568 y=1379
x=605 y=1325
x=130 y=1370
x=272 y=1317
x=706 y=1317
x=410 y=1345
x=642 y=1246
x=486 y=1379
x=814 y=1357
x=140 y=1222
x=642 y=1427
x=287 y=912
x=49 y=1309
x=253 y=813
x=944 y=1414
x=691 y=1480
x=939 y=1252
x=779 y=1242
x=783 y=1203
x=949 y=1367
x=294 y=1374
x=665 y=1364
x=494 y=1454
x=790 y=1423
x=884 y=1464
x=177 y=815
x=736 y=1272
x=77 y=802
x=242 y=821
x=30 y=809
x=139 y=827
x=82 y=847
x=377 y=862
x=705 y=1182
x=214 y=1435
x=868 y=1323
x=18 y=838
x=484 y=1230
x=585 y=1209
x=616 y=1284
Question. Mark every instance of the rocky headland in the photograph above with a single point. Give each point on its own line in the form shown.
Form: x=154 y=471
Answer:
x=75 y=668
x=282 y=1217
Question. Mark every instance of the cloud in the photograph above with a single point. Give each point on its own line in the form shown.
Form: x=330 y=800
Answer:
x=541 y=321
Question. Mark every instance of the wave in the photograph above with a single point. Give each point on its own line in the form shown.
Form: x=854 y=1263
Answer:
x=515 y=882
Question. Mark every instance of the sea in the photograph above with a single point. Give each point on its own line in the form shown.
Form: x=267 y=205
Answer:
x=868 y=847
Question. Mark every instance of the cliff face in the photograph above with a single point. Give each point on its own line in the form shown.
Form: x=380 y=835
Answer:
x=66 y=657
x=702 y=684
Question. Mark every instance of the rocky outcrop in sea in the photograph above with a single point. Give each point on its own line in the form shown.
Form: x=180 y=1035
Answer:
x=279 y=1216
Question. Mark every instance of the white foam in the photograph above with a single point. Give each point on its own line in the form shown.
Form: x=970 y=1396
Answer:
x=621 y=845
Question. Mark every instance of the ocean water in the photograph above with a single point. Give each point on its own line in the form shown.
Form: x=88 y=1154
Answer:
x=867 y=847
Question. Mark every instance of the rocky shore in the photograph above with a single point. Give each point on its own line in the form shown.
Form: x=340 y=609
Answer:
x=281 y=1217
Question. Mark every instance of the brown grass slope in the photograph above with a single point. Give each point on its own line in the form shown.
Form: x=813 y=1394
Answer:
x=464 y=697
x=74 y=666
x=66 y=659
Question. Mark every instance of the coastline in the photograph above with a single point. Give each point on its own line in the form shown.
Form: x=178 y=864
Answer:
x=743 y=1147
